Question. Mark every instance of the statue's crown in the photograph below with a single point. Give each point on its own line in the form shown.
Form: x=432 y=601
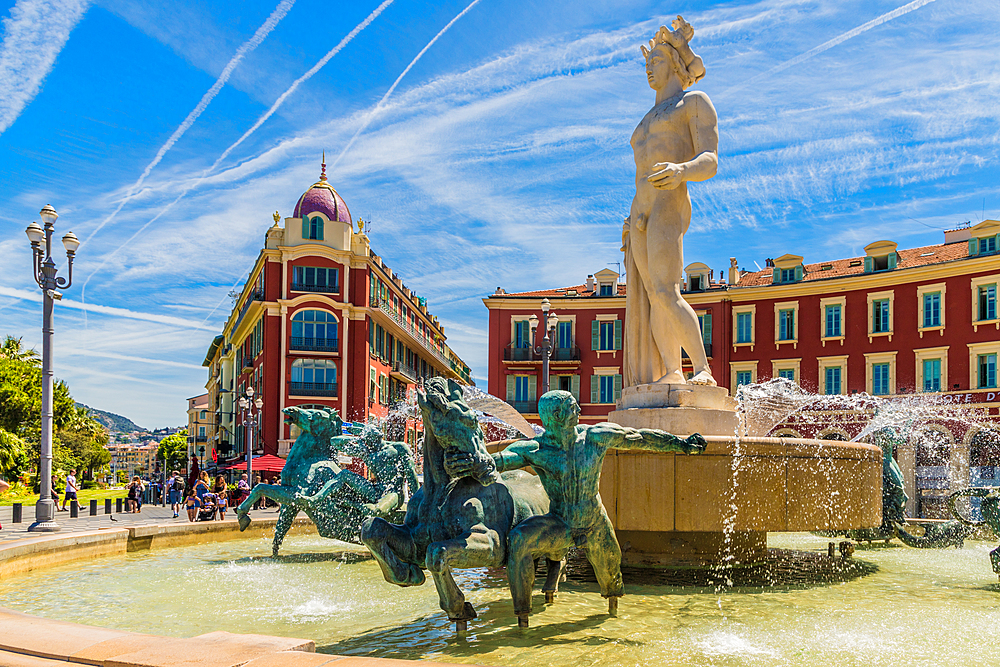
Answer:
x=680 y=39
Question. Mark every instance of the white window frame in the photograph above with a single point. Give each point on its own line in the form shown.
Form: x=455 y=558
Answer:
x=572 y=320
x=976 y=284
x=794 y=340
x=737 y=366
x=839 y=361
x=925 y=354
x=514 y=319
x=872 y=358
x=832 y=301
x=928 y=289
x=976 y=349
x=787 y=364
x=880 y=296
x=752 y=309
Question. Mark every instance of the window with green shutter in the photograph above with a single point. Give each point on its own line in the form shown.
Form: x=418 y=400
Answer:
x=705 y=322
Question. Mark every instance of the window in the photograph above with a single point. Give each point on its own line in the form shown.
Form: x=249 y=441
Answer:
x=880 y=379
x=606 y=335
x=744 y=327
x=932 y=374
x=315 y=279
x=605 y=388
x=988 y=245
x=787 y=275
x=317 y=330
x=786 y=324
x=202 y=414
x=201 y=431
x=521 y=388
x=832 y=317
x=832 y=385
x=607 y=290
x=312 y=228
x=987 y=302
x=743 y=377
x=522 y=334
x=787 y=373
x=880 y=316
x=696 y=283
x=314 y=377
x=564 y=334
x=705 y=324
x=932 y=309
x=987 y=371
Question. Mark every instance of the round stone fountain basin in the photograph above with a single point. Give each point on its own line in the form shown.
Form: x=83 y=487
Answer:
x=680 y=510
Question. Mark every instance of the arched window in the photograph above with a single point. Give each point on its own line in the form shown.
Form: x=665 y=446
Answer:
x=312 y=228
x=314 y=377
x=314 y=330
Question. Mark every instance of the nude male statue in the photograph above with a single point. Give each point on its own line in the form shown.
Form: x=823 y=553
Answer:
x=568 y=459
x=676 y=142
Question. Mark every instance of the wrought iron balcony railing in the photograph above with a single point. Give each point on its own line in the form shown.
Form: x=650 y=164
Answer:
x=314 y=388
x=314 y=344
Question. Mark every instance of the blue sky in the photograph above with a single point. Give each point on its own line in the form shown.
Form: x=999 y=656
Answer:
x=500 y=158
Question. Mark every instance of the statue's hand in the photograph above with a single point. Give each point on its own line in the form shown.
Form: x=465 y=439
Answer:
x=666 y=175
x=459 y=464
x=694 y=444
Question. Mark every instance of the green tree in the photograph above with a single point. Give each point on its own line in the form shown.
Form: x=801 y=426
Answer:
x=173 y=449
x=11 y=348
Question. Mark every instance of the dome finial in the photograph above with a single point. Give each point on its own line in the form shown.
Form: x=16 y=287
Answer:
x=322 y=173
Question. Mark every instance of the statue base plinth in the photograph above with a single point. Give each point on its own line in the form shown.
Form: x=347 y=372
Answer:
x=716 y=508
x=680 y=409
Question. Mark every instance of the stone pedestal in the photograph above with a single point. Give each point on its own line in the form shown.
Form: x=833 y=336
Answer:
x=673 y=510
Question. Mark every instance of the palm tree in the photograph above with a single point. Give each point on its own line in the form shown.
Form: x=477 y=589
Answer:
x=12 y=349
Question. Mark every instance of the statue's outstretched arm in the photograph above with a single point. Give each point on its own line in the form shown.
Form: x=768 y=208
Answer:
x=653 y=440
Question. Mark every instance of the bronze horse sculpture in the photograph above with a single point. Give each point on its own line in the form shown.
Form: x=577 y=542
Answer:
x=454 y=521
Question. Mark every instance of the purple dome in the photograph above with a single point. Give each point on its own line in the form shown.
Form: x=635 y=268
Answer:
x=322 y=198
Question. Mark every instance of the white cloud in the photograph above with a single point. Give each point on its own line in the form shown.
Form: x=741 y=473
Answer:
x=33 y=35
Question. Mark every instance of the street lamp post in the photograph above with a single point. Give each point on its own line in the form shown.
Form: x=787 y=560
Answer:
x=545 y=349
x=250 y=412
x=45 y=275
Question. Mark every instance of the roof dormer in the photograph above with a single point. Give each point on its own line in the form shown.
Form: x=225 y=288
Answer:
x=881 y=256
x=606 y=282
x=985 y=238
x=788 y=269
x=698 y=277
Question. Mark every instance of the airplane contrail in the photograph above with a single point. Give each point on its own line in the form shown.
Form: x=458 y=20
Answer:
x=248 y=46
x=260 y=121
x=381 y=102
x=827 y=45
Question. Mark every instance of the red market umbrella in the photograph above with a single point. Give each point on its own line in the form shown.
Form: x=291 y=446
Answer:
x=266 y=463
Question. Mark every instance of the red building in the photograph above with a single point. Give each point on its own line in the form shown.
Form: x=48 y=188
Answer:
x=322 y=321
x=892 y=322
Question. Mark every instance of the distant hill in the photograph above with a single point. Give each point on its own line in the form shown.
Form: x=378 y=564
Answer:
x=111 y=420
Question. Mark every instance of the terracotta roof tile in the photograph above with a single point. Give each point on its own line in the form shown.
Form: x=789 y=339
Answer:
x=932 y=254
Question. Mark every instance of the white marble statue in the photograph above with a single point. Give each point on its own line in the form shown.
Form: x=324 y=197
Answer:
x=676 y=142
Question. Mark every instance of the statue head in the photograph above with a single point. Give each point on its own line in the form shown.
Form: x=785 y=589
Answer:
x=453 y=425
x=559 y=411
x=669 y=54
x=319 y=423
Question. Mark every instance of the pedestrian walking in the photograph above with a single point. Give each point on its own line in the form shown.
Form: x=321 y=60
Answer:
x=176 y=486
x=55 y=493
x=134 y=491
x=70 y=494
x=192 y=504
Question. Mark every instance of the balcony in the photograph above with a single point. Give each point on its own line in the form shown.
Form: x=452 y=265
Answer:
x=201 y=438
x=518 y=354
x=527 y=354
x=255 y=296
x=314 y=388
x=403 y=372
x=413 y=331
x=314 y=344
x=566 y=354
x=526 y=407
x=319 y=289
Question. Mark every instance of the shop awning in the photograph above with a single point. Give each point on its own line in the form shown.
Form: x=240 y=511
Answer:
x=265 y=463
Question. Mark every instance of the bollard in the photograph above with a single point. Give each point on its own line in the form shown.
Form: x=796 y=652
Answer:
x=74 y=509
x=831 y=549
x=93 y=507
x=118 y=505
x=107 y=505
x=17 y=513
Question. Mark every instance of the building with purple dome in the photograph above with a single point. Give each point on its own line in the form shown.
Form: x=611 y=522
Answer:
x=322 y=321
